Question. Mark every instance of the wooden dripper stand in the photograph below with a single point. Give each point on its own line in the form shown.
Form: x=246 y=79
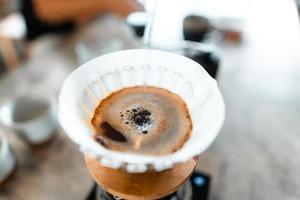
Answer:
x=150 y=185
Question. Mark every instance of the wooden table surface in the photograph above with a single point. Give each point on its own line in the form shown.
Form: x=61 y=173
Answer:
x=58 y=170
x=257 y=154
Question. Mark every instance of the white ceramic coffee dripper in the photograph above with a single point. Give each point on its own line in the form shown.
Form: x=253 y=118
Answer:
x=93 y=81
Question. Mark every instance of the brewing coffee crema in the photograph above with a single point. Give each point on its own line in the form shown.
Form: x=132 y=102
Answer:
x=143 y=120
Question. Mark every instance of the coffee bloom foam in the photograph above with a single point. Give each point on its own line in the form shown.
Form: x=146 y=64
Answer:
x=89 y=84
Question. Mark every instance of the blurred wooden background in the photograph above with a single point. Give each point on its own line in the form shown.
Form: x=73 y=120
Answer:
x=257 y=154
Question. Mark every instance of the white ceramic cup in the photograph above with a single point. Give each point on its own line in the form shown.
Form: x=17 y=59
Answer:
x=7 y=158
x=33 y=118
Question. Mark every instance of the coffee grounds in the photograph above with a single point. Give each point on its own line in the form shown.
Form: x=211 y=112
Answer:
x=141 y=118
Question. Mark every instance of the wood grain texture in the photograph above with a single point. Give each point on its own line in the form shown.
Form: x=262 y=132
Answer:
x=140 y=186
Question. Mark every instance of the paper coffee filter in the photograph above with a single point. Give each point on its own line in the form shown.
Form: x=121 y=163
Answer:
x=89 y=84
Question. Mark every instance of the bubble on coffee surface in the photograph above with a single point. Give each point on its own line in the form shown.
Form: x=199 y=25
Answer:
x=138 y=118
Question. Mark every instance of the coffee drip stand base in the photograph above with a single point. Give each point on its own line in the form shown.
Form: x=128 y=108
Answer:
x=196 y=188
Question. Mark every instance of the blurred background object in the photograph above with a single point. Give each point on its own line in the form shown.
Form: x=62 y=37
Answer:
x=100 y=36
x=209 y=56
x=8 y=6
x=12 y=52
x=7 y=160
x=13 y=47
x=195 y=28
x=32 y=117
x=138 y=21
x=250 y=47
x=62 y=16
x=298 y=6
